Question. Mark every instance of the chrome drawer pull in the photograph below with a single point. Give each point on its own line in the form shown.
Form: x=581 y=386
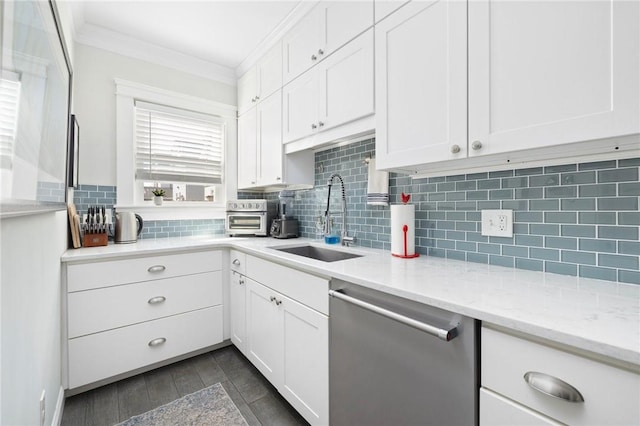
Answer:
x=157 y=342
x=440 y=333
x=156 y=300
x=156 y=268
x=236 y=261
x=552 y=386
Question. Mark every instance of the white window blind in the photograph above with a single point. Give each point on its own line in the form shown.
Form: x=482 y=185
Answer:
x=177 y=145
x=9 y=105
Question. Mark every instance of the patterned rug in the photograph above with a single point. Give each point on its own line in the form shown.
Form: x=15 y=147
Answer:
x=209 y=406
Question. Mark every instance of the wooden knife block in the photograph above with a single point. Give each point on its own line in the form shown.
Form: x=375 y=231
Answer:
x=94 y=240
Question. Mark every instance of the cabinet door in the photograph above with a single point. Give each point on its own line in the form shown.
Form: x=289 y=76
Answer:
x=247 y=147
x=237 y=298
x=300 y=45
x=548 y=73
x=342 y=21
x=264 y=331
x=496 y=410
x=270 y=140
x=247 y=91
x=300 y=107
x=306 y=361
x=269 y=72
x=346 y=83
x=421 y=92
x=383 y=8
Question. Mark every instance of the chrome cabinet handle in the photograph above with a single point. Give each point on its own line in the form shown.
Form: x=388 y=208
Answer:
x=241 y=282
x=156 y=300
x=320 y=123
x=441 y=333
x=257 y=98
x=278 y=178
x=476 y=145
x=314 y=126
x=157 y=342
x=455 y=149
x=314 y=57
x=552 y=386
x=236 y=261
x=278 y=302
x=272 y=298
x=320 y=52
x=253 y=100
x=156 y=268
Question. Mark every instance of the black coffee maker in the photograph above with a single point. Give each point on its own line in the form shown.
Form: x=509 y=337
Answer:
x=284 y=226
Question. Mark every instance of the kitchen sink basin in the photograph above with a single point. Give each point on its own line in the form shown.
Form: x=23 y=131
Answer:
x=318 y=253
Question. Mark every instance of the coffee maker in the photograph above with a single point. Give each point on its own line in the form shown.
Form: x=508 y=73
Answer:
x=284 y=226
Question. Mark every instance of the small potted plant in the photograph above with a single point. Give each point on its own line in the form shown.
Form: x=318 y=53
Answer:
x=158 y=195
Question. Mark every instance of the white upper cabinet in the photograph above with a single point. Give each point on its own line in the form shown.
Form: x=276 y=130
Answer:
x=541 y=76
x=300 y=106
x=421 y=84
x=261 y=80
x=327 y=27
x=383 y=8
x=337 y=91
x=270 y=141
x=247 y=149
x=549 y=73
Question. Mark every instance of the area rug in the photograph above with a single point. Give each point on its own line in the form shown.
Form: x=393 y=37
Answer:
x=209 y=406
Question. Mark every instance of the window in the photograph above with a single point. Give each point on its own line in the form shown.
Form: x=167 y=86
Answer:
x=179 y=151
x=181 y=143
x=9 y=100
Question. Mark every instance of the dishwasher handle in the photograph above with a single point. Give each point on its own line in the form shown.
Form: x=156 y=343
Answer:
x=441 y=333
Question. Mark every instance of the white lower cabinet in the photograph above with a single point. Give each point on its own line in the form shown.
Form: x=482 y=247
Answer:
x=125 y=314
x=287 y=340
x=607 y=394
x=238 y=310
x=107 y=354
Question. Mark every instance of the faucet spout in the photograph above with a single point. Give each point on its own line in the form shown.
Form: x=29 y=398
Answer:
x=327 y=225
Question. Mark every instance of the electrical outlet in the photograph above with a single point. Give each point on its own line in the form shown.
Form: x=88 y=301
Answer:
x=43 y=405
x=497 y=223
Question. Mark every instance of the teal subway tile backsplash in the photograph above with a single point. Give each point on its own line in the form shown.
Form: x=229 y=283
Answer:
x=89 y=195
x=572 y=219
x=568 y=219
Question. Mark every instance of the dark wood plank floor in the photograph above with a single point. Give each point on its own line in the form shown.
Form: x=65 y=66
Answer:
x=258 y=401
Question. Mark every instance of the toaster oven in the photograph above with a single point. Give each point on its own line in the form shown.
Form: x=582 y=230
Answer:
x=249 y=217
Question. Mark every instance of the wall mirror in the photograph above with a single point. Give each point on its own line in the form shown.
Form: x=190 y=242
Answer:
x=35 y=90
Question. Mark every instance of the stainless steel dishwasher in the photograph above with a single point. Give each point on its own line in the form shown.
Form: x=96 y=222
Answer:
x=393 y=361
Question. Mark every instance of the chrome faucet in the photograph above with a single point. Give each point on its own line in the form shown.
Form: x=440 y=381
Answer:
x=344 y=238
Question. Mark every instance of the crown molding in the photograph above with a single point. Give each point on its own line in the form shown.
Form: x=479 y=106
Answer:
x=101 y=38
x=296 y=14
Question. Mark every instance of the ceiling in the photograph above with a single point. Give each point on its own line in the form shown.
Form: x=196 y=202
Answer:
x=210 y=36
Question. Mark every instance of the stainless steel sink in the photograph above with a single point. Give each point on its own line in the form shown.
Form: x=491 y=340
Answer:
x=318 y=253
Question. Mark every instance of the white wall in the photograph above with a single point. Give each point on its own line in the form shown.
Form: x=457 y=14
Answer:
x=30 y=347
x=95 y=103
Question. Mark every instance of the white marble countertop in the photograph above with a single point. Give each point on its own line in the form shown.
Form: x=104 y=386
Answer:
x=600 y=317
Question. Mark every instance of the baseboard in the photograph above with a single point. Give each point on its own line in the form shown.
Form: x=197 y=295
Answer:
x=57 y=415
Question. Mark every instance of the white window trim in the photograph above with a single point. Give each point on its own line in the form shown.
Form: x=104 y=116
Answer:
x=126 y=94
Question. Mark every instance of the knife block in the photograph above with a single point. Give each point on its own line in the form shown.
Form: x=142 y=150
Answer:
x=95 y=240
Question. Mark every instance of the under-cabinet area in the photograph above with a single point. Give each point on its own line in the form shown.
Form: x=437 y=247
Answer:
x=322 y=334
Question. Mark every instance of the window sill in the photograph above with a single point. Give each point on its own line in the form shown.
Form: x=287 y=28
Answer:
x=171 y=211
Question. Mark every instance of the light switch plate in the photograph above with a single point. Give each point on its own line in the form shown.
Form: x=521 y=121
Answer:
x=497 y=223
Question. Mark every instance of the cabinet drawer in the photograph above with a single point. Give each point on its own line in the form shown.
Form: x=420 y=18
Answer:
x=103 y=355
x=610 y=394
x=86 y=276
x=237 y=261
x=305 y=288
x=102 y=309
x=496 y=410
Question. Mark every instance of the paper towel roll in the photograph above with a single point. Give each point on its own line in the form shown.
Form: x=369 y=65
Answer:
x=403 y=215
